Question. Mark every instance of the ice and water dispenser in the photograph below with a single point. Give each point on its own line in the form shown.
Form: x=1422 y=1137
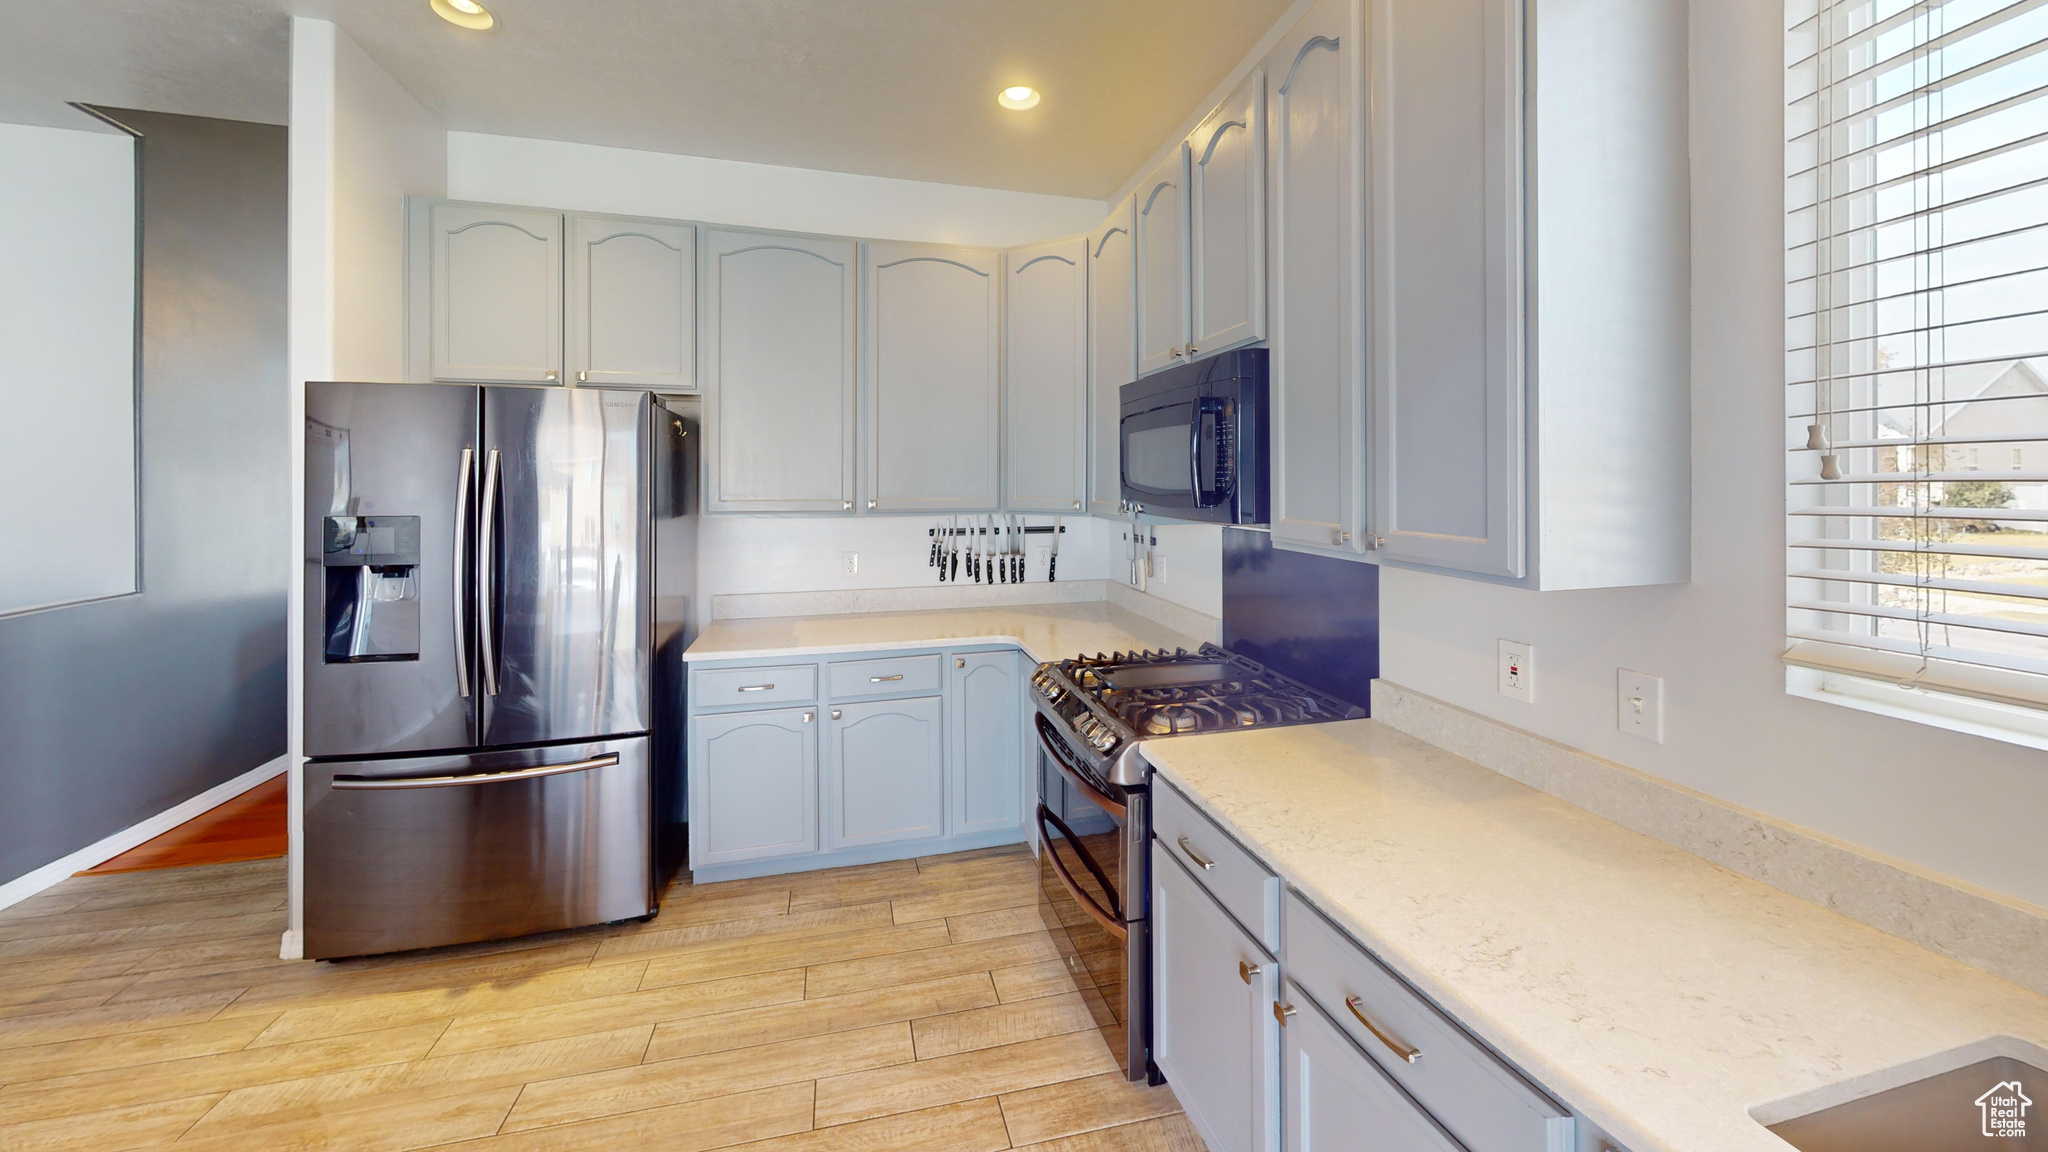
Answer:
x=372 y=567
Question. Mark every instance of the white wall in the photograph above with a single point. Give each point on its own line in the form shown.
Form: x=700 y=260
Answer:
x=386 y=147
x=67 y=340
x=359 y=145
x=803 y=554
x=1187 y=565
x=590 y=178
x=1969 y=807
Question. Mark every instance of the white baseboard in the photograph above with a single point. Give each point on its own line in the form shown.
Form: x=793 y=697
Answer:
x=92 y=855
x=292 y=945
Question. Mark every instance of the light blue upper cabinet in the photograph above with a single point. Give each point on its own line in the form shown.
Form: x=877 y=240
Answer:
x=1045 y=376
x=754 y=787
x=632 y=303
x=491 y=303
x=933 y=384
x=779 y=373
x=1447 y=284
x=1530 y=289
x=887 y=775
x=1318 y=393
x=1162 y=198
x=1227 y=221
x=1112 y=349
x=988 y=742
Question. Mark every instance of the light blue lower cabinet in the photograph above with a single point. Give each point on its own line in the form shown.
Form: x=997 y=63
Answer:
x=1337 y=1098
x=907 y=753
x=886 y=772
x=1213 y=1027
x=753 y=785
x=990 y=741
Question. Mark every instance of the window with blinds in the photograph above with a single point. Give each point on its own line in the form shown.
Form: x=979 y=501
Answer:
x=1917 y=350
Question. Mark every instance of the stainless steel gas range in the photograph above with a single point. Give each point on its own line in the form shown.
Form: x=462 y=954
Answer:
x=1094 y=817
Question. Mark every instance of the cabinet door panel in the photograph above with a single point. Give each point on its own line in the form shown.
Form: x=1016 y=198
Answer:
x=1213 y=1028
x=1337 y=1099
x=1318 y=391
x=934 y=424
x=1045 y=377
x=494 y=294
x=988 y=741
x=632 y=314
x=1112 y=349
x=1447 y=275
x=1163 y=265
x=780 y=373
x=754 y=785
x=1227 y=221
x=888 y=772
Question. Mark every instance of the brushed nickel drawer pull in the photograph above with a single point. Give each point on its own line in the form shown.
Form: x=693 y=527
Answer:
x=755 y=687
x=1411 y=1055
x=1282 y=1011
x=884 y=679
x=1246 y=970
x=1197 y=857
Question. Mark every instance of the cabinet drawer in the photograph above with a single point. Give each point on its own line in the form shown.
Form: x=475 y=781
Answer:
x=897 y=674
x=1484 y=1103
x=724 y=687
x=1232 y=875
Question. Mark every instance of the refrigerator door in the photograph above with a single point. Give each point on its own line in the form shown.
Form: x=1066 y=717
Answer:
x=565 y=564
x=386 y=560
x=431 y=850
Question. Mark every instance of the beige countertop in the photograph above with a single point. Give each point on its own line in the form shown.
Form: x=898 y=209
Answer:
x=1659 y=995
x=1043 y=631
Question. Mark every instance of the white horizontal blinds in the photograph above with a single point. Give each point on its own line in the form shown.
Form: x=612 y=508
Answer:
x=1917 y=342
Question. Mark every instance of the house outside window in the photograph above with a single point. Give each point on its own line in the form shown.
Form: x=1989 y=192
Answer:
x=1917 y=340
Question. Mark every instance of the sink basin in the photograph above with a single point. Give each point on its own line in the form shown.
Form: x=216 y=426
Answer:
x=1945 y=1112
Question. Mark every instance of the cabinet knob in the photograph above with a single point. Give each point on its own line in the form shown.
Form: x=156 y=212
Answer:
x=835 y=713
x=959 y=661
x=554 y=377
x=1343 y=537
x=1077 y=505
x=1191 y=349
x=871 y=505
x=1246 y=970
x=810 y=716
x=1282 y=1011
x=582 y=377
x=846 y=505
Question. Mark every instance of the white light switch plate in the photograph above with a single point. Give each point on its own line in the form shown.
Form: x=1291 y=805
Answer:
x=1639 y=702
x=1518 y=671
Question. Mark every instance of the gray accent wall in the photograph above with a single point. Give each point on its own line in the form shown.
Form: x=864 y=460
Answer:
x=112 y=712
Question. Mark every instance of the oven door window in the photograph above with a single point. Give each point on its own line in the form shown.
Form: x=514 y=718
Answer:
x=1159 y=454
x=1179 y=454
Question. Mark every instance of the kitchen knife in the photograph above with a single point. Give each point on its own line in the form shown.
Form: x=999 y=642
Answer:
x=1021 y=541
x=1052 y=560
x=953 y=545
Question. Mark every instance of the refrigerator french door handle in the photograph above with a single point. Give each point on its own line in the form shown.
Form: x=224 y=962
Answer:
x=486 y=575
x=371 y=783
x=460 y=577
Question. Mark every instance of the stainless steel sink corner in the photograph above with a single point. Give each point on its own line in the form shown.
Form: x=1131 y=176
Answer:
x=1980 y=1098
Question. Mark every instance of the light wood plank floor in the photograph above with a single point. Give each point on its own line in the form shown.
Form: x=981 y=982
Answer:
x=909 y=1006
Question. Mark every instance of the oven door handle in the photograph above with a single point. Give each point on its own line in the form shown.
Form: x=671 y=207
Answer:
x=1057 y=749
x=1110 y=922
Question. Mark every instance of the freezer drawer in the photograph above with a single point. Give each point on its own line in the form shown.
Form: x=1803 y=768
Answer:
x=432 y=850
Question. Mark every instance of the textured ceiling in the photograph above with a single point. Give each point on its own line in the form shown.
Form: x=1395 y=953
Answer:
x=901 y=88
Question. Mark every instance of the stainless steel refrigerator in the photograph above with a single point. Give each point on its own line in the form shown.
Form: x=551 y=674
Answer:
x=496 y=577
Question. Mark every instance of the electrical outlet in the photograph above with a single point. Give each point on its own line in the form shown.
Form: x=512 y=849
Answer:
x=849 y=563
x=1158 y=564
x=1639 y=701
x=1518 y=671
x=1041 y=560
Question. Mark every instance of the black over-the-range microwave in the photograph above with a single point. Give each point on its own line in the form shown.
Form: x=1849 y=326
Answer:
x=1194 y=440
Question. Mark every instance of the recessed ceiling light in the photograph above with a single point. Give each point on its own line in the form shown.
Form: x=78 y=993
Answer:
x=463 y=13
x=1016 y=98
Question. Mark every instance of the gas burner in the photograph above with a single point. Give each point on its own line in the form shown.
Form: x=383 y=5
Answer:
x=1160 y=693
